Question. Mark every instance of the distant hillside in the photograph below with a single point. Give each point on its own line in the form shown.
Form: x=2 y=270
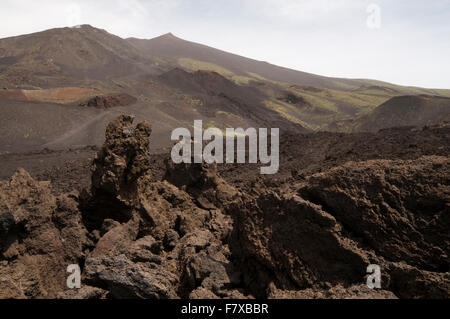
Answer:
x=195 y=56
x=50 y=82
x=417 y=110
x=226 y=103
x=67 y=55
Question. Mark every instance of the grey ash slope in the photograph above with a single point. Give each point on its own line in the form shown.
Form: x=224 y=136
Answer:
x=171 y=48
x=174 y=81
x=417 y=110
x=68 y=54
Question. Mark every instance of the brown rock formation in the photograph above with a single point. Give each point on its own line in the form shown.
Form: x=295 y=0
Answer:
x=334 y=224
x=202 y=182
x=193 y=235
x=398 y=208
x=108 y=101
x=152 y=231
x=40 y=236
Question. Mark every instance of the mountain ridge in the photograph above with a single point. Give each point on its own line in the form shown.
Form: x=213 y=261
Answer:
x=48 y=76
x=233 y=61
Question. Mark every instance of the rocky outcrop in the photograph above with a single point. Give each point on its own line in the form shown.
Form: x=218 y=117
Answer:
x=117 y=168
x=125 y=279
x=123 y=159
x=154 y=240
x=202 y=182
x=335 y=292
x=294 y=244
x=193 y=235
x=398 y=208
x=109 y=101
x=326 y=230
x=40 y=236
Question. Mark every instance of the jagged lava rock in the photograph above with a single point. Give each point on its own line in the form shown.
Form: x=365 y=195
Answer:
x=40 y=236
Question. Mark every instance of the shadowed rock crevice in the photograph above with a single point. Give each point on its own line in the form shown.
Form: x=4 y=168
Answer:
x=294 y=244
x=392 y=205
x=202 y=182
x=117 y=168
x=164 y=245
x=41 y=235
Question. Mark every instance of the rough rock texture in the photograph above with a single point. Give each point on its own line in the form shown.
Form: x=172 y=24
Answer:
x=293 y=243
x=85 y=292
x=193 y=235
x=125 y=279
x=108 y=101
x=201 y=181
x=123 y=159
x=156 y=242
x=413 y=283
x=40 y=236
x=401 y=209
x=326 y=230
x=336 y=292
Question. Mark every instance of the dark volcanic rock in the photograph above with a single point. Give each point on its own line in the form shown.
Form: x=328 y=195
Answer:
x=293 y=243
x=108 y=101
x=86 y=292
x=412 y=283
x=291 y=98
x=202 y=182
x=400 y=209
x=125 y=279
x=193 y=235
x=123 y=159
x=328 y=229
x=154 y=238
x=40 y=236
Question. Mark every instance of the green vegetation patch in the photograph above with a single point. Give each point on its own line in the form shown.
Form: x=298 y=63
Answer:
x=195 y=65
x=287 y=111
x=194 y=102
x=229 y=115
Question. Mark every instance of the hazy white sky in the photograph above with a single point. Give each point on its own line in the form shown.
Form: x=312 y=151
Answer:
x=401 y=41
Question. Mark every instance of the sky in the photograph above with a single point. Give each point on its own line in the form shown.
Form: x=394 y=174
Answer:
x=404 y=42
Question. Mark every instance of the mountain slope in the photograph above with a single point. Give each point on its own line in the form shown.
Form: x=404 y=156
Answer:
x=69 y=54
x=46 y=78
x=184 y=53
x=196 y=56
x=417 y=110
x=226 y=104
